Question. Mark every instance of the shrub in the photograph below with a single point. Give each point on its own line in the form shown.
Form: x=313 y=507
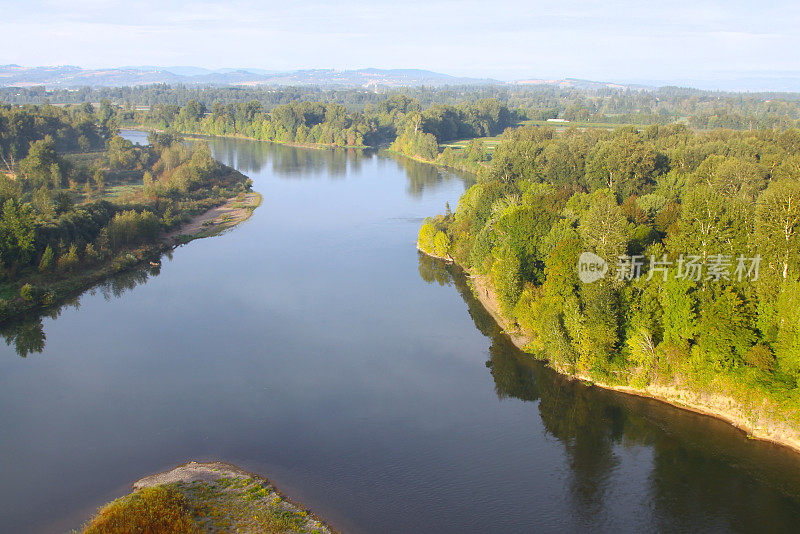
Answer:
x=761 y=357
x=157 y=509
x=28 y=292
x=91 y=253
x=46 y=262
x=69 y=260
x=131 y=227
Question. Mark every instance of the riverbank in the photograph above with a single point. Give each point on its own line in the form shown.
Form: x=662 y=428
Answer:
x=194 y=135
x=205 y=497
x=460 y=168
x=216 y=220
x=714 y=405
x=50 y=290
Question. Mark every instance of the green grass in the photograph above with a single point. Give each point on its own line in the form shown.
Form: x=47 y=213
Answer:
x=84 y=158
x=561 y=126
x=491 y=142
x=118 y=191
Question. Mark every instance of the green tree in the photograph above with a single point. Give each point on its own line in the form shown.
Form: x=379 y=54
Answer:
x=17 y=232
x=46 y=263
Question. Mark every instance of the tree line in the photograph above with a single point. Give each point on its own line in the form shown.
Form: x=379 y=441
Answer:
x=331 y=124
x=580 y=102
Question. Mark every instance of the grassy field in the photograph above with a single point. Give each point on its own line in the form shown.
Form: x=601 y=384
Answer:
x=490 y=143
x=119 y=184
x=121 y=190
x=561 y=126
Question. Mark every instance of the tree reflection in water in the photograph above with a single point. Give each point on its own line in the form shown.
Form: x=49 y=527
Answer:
x=286 y=161
x=702 y=475
x=26 y=333
x=424 y=175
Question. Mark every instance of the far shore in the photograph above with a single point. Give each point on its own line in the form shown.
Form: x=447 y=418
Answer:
x=713 y=405
x=318 y=146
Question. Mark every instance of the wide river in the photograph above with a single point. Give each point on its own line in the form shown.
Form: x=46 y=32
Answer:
x=314 y=345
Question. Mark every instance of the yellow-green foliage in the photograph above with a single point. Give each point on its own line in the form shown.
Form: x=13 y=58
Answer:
x=425 y=241
x=418 y=144
x=441 y=244
x=157 y=510
x=181 y=168
x=545 y=199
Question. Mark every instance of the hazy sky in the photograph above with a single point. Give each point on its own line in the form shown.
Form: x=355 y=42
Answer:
x=597 y=39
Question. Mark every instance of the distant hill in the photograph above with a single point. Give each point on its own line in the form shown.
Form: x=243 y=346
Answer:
x=574 y=83
x=71 y=76
x=68 y=76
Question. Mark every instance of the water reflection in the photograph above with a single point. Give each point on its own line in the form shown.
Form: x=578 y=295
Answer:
x=700 y=474
x=422 y=176
x=26 y=334
x=288 y=161
x=302 y=163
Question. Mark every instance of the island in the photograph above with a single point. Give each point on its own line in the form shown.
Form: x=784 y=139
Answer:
x=205 y=497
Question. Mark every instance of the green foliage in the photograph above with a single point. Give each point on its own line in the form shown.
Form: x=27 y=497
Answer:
x=130 y=226
x=441 y=244
x=28 y=292
x=427 y=232
x=506 y=275
x=667 y=193
x=45 y=222
x=17 y=232
x=70 y=259
x=418 y=144
x=46 y=263
x=787 y=347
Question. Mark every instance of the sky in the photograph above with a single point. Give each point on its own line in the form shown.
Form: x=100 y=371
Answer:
x=502 y=39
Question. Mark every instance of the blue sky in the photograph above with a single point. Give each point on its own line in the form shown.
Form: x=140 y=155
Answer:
x=605 y=40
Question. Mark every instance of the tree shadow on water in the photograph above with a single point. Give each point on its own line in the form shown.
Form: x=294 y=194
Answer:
x=697 y=472
x=26 y=333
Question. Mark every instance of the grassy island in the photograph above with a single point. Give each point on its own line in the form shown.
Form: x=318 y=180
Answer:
x=207 y=497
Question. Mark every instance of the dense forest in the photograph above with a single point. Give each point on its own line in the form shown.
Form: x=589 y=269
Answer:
x=579 y=103
x=700 y=233
x=332 y=124
x=79 y=202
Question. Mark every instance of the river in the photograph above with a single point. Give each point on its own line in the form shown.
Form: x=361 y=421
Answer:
x=314 y=345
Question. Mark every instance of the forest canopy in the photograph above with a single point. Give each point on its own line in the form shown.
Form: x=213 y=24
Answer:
x=700 y=233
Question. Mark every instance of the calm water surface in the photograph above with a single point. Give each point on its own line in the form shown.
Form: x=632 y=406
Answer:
x=314 y=345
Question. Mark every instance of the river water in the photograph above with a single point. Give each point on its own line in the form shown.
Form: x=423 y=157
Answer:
x=313 y=344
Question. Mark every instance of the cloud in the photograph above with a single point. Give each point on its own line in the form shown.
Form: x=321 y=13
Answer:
x=509 y=39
